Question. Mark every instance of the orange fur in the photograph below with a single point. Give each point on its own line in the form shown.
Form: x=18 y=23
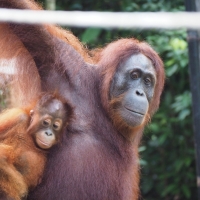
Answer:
x=129 y=132
x=13 y=58
x=21 y=161
x=108 y=60
x=14 y=55
x=62 y=34
x=12 y=181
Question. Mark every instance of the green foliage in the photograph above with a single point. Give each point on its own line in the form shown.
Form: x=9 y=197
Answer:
x=169 y=170
x=167 y=150
x=90 y=35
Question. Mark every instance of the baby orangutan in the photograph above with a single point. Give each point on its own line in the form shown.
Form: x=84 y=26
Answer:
x=25 y=137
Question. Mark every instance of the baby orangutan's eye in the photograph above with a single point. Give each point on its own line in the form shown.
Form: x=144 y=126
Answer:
x=56 y=125
x=46 y=122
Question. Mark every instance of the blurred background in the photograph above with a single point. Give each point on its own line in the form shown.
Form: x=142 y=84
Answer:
x=167 y=149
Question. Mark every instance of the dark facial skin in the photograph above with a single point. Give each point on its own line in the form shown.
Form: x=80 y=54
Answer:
x=135 y=82
x=47 y=124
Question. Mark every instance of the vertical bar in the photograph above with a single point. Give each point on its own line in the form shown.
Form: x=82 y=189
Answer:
x=194 y=72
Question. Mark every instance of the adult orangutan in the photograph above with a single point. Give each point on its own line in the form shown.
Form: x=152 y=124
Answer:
x=113 y=101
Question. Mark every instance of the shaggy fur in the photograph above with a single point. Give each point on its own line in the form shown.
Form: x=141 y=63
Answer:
x=21 y=161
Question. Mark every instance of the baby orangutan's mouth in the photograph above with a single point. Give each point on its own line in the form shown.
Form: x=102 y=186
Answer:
x=42 y=144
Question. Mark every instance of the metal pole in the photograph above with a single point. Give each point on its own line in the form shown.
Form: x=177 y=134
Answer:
x=194 y=71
